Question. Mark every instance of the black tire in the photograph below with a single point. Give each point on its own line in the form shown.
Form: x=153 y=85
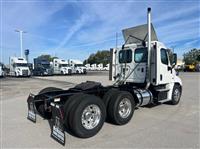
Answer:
x=68 y=107
x=107 y=96
x=40 y=105
x=113 y=108
x=75 y=117
x=176 y=91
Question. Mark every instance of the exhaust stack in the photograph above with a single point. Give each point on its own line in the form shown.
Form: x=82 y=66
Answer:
x=148 y=76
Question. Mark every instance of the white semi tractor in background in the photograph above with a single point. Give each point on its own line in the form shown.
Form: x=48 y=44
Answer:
x=19 y=67
x=2 y=73
x=77 y=66
x=61 y=66
x=142 y=73
x=93 y=66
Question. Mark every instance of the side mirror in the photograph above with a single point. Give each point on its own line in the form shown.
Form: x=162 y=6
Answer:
x=174 y=62
x=122 y=46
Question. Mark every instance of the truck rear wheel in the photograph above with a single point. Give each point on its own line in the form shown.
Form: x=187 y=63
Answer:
x=68 y=106
x=87 y=116
x=111 y=92
x=121 y=108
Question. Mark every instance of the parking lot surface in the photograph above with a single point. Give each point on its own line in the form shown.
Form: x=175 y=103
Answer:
x=163 y=126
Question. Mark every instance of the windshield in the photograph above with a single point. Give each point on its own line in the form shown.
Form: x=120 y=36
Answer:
x=20 y=65
x=64 y=65
x=46 y=65
x=79 y=65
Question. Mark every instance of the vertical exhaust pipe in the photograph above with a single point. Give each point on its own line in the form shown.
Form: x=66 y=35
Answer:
x=148 y=75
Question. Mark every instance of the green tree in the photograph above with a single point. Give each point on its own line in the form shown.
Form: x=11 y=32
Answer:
x=48 y=57
x=192 y=57
x=99 y=57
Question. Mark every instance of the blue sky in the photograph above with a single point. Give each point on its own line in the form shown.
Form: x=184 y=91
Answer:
x=75 y=29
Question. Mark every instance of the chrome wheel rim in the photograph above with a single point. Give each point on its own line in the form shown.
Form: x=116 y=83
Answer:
x=91 y=116
x=176 y=94
x=125 y=108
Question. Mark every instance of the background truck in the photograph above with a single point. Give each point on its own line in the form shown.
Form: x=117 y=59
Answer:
x=42 y=67
x=142 y=75
x=77 y=66
x=93 y=66
x=19 y=67
x=61 y=66
x=107 y=67
x=189 y=67
x=100 y=67
x=87 y=67
x=2 y=72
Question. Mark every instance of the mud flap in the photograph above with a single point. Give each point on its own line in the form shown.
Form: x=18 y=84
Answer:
x=31 y=108
x=57 y=130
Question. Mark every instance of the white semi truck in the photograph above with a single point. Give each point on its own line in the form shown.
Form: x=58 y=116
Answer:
x=93 y=66
x=2 y=73
x=107 y=67
x=19 y=67
x=61 y=66
x=77 y=66
x=100 y=67
x=142 y=74
x=87 y=67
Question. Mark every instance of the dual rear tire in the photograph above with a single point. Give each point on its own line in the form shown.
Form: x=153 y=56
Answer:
x=84 y=115
x=120 y=106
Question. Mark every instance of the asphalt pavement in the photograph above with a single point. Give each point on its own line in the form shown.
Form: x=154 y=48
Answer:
x=163 y=126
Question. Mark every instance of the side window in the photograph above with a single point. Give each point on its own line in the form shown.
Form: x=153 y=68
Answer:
x=125 y=56
x=163 y=55
x=140 y=55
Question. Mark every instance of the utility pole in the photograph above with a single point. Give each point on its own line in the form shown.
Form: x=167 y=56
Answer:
x=21 y=43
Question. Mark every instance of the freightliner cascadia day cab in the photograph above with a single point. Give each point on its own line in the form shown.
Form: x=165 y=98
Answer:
x=61 y=66
x=142 y=74
x=42 y=67
x=19 y=67
x=77 y=66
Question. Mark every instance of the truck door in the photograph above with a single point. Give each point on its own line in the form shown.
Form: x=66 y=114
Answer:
x=164 y=75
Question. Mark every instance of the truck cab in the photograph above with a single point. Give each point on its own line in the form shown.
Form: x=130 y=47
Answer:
x=77 y=67
x=19 y=67
x=42 y=67
x=130 y=66
x=61 y=66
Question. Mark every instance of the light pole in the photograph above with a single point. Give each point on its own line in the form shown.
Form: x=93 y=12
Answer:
x=20 y=35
